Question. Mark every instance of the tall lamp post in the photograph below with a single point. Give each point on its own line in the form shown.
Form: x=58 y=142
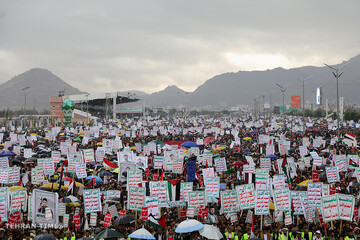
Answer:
x=282 y=89
x=337 y=75
x=269 y=105
x=87 y=108
x=303 y=101
x=24 y=89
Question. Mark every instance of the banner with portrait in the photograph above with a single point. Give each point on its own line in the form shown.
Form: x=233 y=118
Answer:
x=45 y=207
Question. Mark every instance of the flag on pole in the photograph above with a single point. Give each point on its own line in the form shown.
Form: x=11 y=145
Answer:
x=350 y=136
x=157 y=223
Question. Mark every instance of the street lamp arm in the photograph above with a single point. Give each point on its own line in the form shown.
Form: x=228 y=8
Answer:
x=329 y=66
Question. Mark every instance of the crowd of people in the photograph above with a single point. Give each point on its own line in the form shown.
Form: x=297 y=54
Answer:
x=235 y=139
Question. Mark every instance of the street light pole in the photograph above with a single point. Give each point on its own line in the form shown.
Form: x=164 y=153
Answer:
x=269 y=105
x=24 y=89
x=337 y=76
x=87 y=108
x=282 y=89
x=303 y=101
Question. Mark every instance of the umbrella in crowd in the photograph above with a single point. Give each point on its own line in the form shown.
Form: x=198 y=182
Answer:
x=210 y=232
x=141 y=233
x=272 y=156
x=189 y=144
x=7 y=154
x=189 y=225
x=108 y=233
x=45 y=237
x=124 y=219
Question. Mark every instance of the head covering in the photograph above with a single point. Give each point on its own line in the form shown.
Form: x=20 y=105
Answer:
x=318 y=232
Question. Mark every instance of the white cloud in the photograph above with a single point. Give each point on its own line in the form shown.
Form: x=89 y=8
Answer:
x=146 y=45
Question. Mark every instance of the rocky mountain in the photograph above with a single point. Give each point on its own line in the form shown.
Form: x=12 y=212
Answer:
x=42 y=84
x=233 y=89
x=224 y=90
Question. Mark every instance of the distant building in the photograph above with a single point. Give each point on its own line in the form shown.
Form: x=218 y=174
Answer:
x=92 y=106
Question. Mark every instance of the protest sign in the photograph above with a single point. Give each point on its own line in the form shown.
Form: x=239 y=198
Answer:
x=178 y=166
x=160 y=189
x=296 y=197
x=134 y=177
x=346 y=206
x=113 y=211
x=262 y=202
x=249 y=216
x=113 y=194
x=45 y=207
x=340 y=162
x=73 y=161
x=107 y=220
x=81 y=170
x=18 y=200
x=282 y=199
x=329 y=206
x=55 y=155
x=220 y=164
x=3 y=208
x=303 y=151
x=92 y=202
x=212 y=186
x=152 y=204
x=265 y=163
x=278 y=181
x=288 y=219
x=144 y=214
x=246 y=196
x=207 y=159
x=197 y=199
x=185 y=188
x=136 y=198
x=208 y=172
x=61 y=209
x=190 y=211
x=158 y=162
x=314 y=194
x=270 y=149
x=13 y=175
x=249 y=168
x=93 y=218
x=261 y=182
x=88 y=155
x=229 y=201
x=332 y=174
x=4 y=162
x=66 y=220
x=49 y=166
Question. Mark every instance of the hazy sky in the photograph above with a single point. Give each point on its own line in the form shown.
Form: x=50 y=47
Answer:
x=103 y=45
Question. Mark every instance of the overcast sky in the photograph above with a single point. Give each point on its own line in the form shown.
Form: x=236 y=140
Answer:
x=103 y=45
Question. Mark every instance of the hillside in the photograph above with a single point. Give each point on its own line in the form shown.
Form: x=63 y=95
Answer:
x=42 y=83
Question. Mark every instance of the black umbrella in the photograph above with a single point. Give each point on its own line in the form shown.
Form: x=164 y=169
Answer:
x=109 y=233
x=102 y=174
x=124 y=219
x=300 y=188
x=20 y=158
x=17 y=162
x=45 y=237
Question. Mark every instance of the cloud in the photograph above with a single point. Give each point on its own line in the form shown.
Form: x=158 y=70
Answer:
x=101 y=46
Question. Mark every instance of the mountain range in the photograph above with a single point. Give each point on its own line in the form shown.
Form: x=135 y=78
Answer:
x=221 y=91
